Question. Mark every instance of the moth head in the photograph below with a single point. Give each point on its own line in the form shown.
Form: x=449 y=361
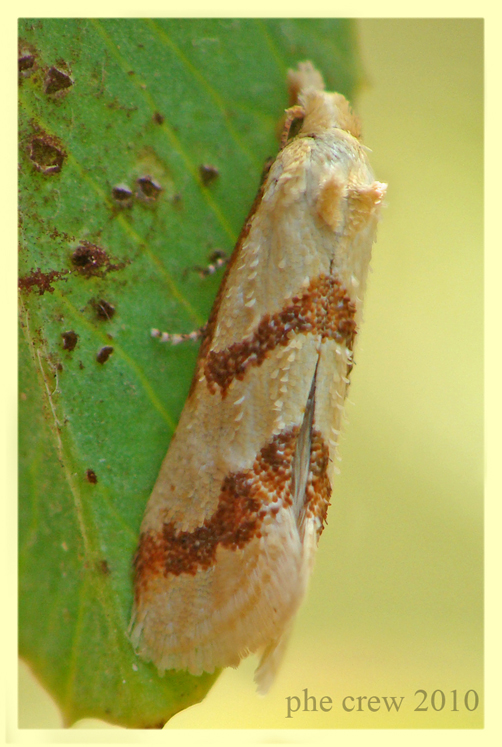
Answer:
x=303 y=78
x=323 y=111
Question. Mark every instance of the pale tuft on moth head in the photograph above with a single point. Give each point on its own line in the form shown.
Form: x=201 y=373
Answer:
x=323 y=111
x=303 y=78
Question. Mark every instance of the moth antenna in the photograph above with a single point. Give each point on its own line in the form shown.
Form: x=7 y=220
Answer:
x=175 y=338
x=292 y=114
x=217 y=260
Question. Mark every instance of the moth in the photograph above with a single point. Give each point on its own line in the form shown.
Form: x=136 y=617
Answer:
x=230 y=531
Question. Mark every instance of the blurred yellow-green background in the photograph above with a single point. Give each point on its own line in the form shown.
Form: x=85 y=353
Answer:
x=395 y=603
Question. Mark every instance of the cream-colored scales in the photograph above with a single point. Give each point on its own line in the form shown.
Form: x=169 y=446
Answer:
x=229 y=534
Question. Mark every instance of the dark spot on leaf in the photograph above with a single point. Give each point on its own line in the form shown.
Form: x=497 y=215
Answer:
x=103 y=309
x=131 y=72
x=26 y=59
x=122 y=195
x=208 y=173
x=148 y=188
x=116 y=105
x=40 y=280
x=57 y=80
x=89 y=257
x=26 y=62
x=46 y=154
x=91 y=476
x=158 y=118
x=91 y=260
x=70 y=340
x=104 y=354
x=57 y=234
x=160 y=725
x=103 y=567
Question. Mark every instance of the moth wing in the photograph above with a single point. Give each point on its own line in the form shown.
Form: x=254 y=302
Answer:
x=273 y=654
x=229 y=581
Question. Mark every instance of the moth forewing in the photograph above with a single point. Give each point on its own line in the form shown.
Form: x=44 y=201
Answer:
x=229 y=534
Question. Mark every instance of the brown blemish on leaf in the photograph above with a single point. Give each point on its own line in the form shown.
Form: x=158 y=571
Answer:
x=208 y=173
x=122 y=195
x=103 y=309
x=159 y=725
x=104 y=354
x=57 y=234
x=26 y=59
x=324 y=308
x=158 y=118
x=103 y=567
x=115 y=105
x=57 y=80
x=91 y=260
x=40 y=280
x=91 y=476
x=70 y=340
x=46 y=154
x=148 y=188
x=26 y=62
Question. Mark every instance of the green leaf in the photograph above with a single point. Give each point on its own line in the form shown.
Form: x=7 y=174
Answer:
x=116 y=118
